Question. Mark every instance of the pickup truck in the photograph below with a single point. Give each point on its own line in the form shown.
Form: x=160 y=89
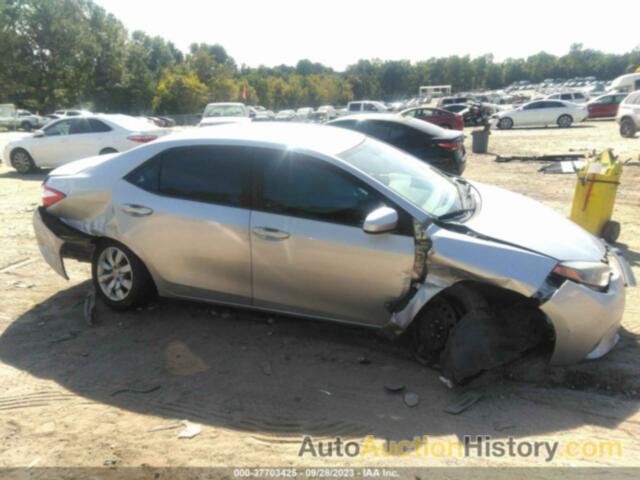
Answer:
x=12 y=119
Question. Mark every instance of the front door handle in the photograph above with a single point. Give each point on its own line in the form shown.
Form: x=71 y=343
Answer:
x=268 y=233
x=136 y=210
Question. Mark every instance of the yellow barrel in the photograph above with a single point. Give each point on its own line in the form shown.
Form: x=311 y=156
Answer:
x=595 y=195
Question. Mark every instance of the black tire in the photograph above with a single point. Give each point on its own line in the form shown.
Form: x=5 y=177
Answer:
x=22 y=161
x=26 y=126
x=611 y=231
x=564 y=121
x=505 y=123
x=627 y=128
x=446 y=127
x=108 y=150
x=431 y=327
x=141 y=288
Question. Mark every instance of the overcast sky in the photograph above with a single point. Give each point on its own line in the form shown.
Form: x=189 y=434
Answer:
x=339 y=32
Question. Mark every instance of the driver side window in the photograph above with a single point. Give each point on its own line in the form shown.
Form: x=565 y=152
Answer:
x=301 y=186
x=60 y=128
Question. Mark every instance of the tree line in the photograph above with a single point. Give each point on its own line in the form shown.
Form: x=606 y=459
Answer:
x=69 y=53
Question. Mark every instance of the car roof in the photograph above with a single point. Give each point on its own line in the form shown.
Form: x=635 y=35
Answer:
x=421 y=125
x=318 y=138
x=230 y=104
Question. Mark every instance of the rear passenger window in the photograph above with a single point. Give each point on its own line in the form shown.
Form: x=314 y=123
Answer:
x=565 y=96
x=146 y=176
x=302 y=186
x=96 y=126
x=379 y=130
x=218 y=175
x=405 y=137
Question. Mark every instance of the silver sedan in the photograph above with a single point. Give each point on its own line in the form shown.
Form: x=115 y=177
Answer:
x=322 y=222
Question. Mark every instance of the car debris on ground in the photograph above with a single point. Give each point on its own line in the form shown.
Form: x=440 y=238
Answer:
x=563 y=157
x=89 y=307
x=463 y=402
x=190 y=429
x=411 y=399
x=566 y=166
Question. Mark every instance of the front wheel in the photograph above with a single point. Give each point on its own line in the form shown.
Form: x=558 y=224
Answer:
x=565 y=121
x=505 y=123
x=22 y=161
x=627 y=128
x=119 y=276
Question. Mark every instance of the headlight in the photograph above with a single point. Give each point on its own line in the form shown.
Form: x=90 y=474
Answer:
x=591 y=274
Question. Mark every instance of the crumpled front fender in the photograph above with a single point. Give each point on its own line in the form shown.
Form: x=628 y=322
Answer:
x=455 y=257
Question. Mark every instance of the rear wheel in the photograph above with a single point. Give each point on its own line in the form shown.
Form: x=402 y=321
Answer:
x=627 y=128
x=446 y=127
x=119 y=276
x=107 y=150
x=22 y=161
x=565 y=121
x=505 y=123
x=26 y=126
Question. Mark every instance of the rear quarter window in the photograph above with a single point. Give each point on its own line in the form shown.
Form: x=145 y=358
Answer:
x=211 y=174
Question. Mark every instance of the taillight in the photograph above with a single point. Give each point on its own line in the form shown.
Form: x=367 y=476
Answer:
x=51 y=196
x=449 y=145
x=142 y=138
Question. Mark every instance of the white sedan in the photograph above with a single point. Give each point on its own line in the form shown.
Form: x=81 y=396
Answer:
x=541 y=112
x=72 y=138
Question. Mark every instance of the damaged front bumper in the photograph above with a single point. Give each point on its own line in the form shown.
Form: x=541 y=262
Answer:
x=586 y=321
x=57 y=240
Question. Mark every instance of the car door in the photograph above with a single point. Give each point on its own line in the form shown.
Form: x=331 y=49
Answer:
x=310 y=255
x=185 y=212
x=531 y=114
x=551 y=110
x=101 y=136
x=85 y=140
x=56 y=146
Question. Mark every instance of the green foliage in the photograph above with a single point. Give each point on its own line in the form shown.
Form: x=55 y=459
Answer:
x=179 y=92
x=70 y=53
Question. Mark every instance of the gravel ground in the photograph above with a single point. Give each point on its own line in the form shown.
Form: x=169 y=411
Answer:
x=113 y=394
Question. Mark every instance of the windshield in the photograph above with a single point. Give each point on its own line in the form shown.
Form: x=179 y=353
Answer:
x=225 y=111
x=407 y=176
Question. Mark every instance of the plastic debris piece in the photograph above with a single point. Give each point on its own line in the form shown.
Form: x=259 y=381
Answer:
x=190 y=430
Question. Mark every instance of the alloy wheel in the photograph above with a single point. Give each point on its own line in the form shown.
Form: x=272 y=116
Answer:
x=114 y=274
x=22 y=162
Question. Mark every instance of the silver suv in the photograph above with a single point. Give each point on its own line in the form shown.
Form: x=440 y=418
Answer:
x=628 y=116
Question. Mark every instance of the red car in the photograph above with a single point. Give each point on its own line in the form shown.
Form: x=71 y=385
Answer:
x=437 y=116
x=605 y=105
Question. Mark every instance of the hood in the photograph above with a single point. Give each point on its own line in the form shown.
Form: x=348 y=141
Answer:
x=513 y=218
x=222 y=120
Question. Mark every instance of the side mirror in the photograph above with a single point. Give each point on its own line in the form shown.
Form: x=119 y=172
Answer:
x=383 y=219
x=38 y=134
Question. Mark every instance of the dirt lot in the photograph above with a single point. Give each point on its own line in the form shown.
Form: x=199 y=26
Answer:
x=75 y=395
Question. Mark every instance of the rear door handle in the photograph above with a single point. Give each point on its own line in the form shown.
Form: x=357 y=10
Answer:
x=136 y=210
x=268 y=233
